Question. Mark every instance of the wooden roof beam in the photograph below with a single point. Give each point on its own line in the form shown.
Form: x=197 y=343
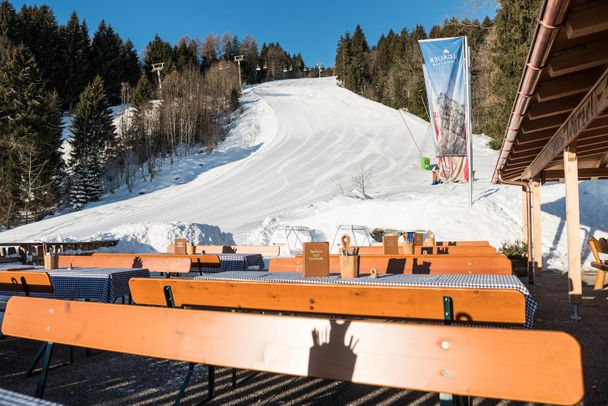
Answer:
x=542 y=124
x=578 y=59
x=592 y=106
x=589 y=153
x=587 y=22
x=583 y=173
x=532 y=149
x=554 y=107
x=565 y=86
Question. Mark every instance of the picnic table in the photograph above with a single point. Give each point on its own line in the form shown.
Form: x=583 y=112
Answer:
x=10 y=398
x=237 y=262
x=412 y=280
x=95 y=284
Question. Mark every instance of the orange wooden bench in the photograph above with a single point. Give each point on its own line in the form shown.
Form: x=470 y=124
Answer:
x=371 y=301
x=25 y=281
x=461 y=243
x=534 y=366
x=265 y=250
x=158 y=263
x=29 y=282
x=434 y=250
x=599 y=246
x=199 y=260
x=410 y=264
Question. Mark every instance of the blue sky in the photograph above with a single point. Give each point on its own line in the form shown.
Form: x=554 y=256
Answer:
x=310 y=27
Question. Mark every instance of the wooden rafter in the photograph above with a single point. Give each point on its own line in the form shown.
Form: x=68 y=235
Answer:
x=543 y=124
x=581 y=58
x=591 y=107
x=566 y=86
x=554 y=107
x=587 y=22
x=583 y=173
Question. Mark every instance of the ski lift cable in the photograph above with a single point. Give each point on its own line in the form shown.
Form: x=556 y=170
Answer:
x=410 y=132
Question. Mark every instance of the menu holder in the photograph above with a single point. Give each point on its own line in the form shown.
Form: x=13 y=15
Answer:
x=349 y=266
x=408 y=248
x=390 y=244
x=51 y=261
x=316 y=259
x=180 y=246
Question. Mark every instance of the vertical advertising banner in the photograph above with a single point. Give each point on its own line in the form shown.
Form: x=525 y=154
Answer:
x=446 y=88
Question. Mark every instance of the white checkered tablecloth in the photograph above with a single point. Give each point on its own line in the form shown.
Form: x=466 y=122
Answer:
x=96 y=284
x=237 y=262
x=445 y=281
x=10 y=398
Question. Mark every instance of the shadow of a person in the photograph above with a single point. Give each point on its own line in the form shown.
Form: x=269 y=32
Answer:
x=329 y=355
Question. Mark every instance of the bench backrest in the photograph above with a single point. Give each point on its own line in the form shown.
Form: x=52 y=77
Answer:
x=535 y=366
x=25 y=281
x=410 y=264
x=199 y=260
x=434 y=250
x=265 y=250
x=468 y=305
x=598 y=246
x=167 y=264
x=461 y=243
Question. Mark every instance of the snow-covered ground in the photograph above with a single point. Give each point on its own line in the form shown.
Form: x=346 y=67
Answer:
x=295 y=142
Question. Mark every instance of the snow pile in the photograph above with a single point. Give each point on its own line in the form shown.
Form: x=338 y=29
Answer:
x=151 y=237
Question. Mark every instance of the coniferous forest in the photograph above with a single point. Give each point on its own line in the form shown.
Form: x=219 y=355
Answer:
x=391 y=71
x=49 y=71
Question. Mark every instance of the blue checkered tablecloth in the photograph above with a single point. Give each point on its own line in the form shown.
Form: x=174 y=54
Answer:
x=96 y=284
x=444 y=281
x=10 y=398
x=237 y=262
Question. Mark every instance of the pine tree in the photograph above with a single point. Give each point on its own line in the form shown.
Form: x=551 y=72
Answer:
x=30 y=138
x=185 y=54
x=158 y=51
x=107 y=60
x=129 y=62
x=37 y=29
x=76 y=54
x=142 y=92
x=92 y=134
x=7 y=24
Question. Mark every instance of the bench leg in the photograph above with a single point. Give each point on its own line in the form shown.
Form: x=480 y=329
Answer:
x=211 y=380
x=48 y=353
x=600 y=278
x=182 y=390
x=34 y=362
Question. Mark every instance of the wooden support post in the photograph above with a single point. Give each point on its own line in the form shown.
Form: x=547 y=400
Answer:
x=536 y=229
x=573 y=225
x=524 y=215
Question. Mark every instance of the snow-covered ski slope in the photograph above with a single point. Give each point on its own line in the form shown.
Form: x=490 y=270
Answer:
x=289 y=160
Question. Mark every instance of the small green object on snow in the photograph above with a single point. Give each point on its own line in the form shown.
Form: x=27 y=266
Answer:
x=425 y=163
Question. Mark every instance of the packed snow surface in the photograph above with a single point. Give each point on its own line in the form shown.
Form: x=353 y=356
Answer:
x=290 y=159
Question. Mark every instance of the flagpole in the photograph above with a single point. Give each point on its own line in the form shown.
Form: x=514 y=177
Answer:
x=467 y=73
